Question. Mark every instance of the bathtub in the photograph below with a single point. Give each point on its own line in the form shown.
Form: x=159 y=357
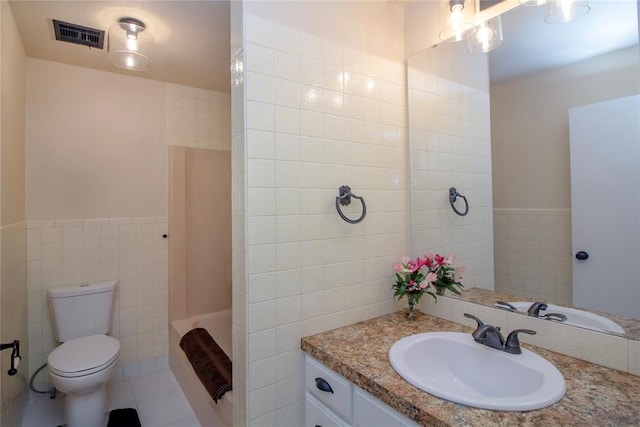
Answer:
x=218 y=325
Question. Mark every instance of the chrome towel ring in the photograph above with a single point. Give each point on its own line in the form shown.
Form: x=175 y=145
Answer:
x=453 y=196
x=344 y=199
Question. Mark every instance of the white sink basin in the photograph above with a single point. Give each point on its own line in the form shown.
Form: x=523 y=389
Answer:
x=454 y=367
x=576 y=317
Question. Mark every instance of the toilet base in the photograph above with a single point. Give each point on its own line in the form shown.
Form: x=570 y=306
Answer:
x=86 y=410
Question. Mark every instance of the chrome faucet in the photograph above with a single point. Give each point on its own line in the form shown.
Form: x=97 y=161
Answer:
x=491 y=336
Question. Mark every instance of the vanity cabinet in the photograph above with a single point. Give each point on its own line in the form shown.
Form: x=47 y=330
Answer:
x=332 y=401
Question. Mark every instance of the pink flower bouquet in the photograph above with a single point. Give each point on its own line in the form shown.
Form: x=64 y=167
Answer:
x=429 y=275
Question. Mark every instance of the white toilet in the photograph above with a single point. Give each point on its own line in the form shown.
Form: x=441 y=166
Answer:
x=82 y=365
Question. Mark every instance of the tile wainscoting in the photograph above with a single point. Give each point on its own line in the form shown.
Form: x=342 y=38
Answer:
x=533 y=253
x=130 y=250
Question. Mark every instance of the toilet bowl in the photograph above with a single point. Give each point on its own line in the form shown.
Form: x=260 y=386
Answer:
x=81 y=368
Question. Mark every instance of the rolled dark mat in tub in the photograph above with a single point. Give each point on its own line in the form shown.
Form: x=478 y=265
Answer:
x=209 y=362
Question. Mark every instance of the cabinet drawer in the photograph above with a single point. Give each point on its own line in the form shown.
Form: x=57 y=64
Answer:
x=318 y=415
x=338 y=390
x=371 y=412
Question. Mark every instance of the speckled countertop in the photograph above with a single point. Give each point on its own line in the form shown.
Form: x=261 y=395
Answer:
x=595 y=396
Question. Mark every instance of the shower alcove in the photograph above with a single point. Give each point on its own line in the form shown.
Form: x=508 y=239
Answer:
x=200 y=265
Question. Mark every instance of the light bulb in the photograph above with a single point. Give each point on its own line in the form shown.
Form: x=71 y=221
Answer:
x=458 y=25
x=456 y=17
x=130 y=61
x=132 y=43
x=565 y=7
x=483 y=35
x=488 y=36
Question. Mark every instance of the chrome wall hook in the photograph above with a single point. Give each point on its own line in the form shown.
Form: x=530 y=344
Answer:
x=344 y=199
x=453 y=196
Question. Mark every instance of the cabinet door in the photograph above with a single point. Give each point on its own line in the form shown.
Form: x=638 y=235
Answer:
x=318 y=415
x=329 y=387
x=371 y=412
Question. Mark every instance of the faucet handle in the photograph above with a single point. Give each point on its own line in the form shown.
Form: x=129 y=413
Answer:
x=558 y=317
x=512 y=344
x=471 y=316
x=505 y=306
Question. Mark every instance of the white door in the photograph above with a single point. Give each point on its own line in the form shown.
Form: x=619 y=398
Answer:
x=605 y=205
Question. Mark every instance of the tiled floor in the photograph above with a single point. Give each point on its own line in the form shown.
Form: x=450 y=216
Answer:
x=156 y=395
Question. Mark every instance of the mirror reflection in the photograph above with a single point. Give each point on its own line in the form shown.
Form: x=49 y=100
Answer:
x=537 y=76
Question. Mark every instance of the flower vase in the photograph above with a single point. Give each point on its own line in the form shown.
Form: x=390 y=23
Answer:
x=411 y=314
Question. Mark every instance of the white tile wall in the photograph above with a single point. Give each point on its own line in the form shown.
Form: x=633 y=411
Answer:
x=130 y=250
x=449 y=128
x=533 y=253
x=319 y=114
x=198 y=117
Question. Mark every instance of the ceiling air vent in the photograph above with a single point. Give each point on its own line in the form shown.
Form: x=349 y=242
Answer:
x=78 y=34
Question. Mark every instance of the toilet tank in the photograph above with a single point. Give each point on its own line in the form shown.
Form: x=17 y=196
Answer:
x=82 y=310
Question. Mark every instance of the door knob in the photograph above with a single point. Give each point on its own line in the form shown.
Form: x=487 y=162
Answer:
x=582 y=255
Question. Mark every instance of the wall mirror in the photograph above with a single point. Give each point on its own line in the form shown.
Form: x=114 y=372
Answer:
x=530 y=161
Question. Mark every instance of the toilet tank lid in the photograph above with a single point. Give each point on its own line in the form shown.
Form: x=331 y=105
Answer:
x=83 y=289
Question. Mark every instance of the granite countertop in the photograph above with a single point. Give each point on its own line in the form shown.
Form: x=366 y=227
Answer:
x=595 y=395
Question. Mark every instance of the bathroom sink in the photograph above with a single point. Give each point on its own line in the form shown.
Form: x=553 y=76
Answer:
x=576 y=317
x=454 y=367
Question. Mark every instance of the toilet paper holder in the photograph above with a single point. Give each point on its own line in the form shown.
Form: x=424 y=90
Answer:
x=15 y=355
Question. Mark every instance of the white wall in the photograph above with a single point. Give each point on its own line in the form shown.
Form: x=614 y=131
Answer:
x=97 y=192
x=309 y=130
x=530 y=126
x=96 y=144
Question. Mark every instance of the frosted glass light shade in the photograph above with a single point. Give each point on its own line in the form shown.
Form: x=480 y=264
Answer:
x=559 y=11
x=488 y=36
x=456 y=20
x=130 y=45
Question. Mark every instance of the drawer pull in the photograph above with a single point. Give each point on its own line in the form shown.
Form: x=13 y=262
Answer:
x=323 y=385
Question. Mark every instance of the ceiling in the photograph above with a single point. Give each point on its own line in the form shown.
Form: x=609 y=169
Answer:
x=531 y=45
x=192 y=45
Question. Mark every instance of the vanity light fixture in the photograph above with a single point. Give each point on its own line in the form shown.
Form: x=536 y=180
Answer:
x=129 y=46
x=488 y=36
x=459 y=24
x=559 y=11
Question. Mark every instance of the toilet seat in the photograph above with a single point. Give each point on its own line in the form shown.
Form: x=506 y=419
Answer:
x=84 y=356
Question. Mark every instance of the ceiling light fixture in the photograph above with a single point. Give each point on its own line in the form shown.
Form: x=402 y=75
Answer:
x=559 y=11
x=129 y=46
x=459 y=24
x=488 y=36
